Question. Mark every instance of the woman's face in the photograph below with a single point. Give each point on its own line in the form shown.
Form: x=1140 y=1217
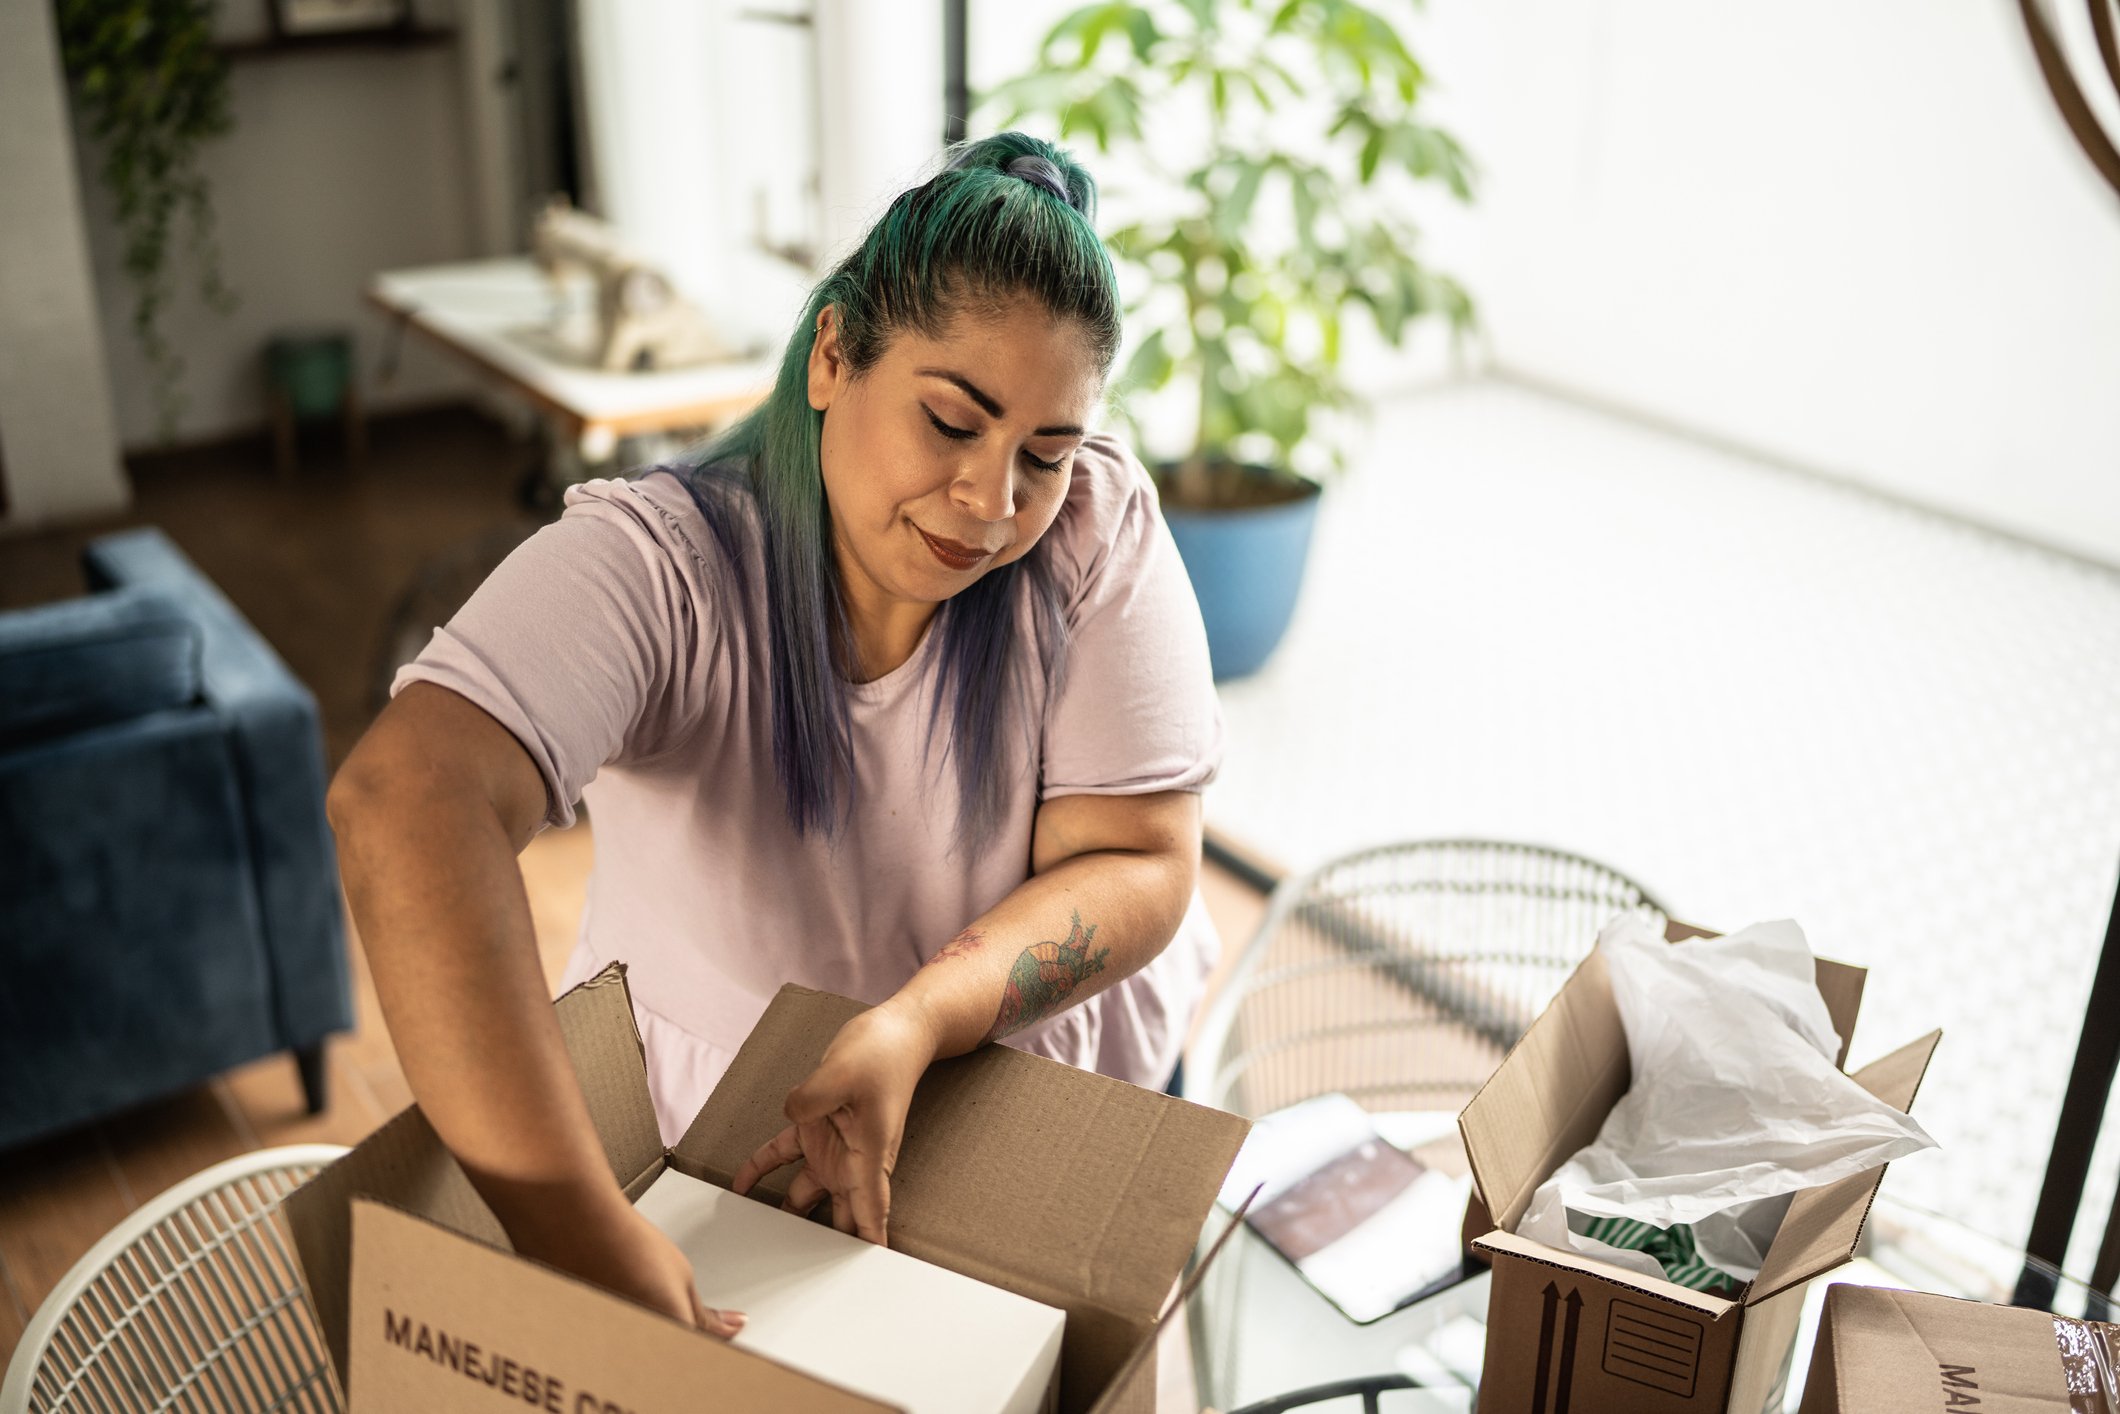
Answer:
x=950 y=456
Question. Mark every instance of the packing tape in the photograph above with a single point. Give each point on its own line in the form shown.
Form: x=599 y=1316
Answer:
x=2090 y=1362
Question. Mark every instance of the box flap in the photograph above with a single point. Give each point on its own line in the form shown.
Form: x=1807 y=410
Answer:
x=1550 y=1094
x=1841 y=987
x=441 y=1322
x=1823 y=1224
x=1499 y=1242
x=1062 y=1185
x=1882 y=1349
x=596 y=1019
x=405 y=1163
x=1134 y=1386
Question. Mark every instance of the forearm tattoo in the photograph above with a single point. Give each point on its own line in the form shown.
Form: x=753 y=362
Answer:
x=1044 y=976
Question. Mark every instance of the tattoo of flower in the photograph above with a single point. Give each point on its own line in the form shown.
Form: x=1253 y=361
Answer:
x=1045 y=976
x=963 y=945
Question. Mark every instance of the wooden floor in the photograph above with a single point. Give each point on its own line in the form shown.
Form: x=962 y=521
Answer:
x=316 y=564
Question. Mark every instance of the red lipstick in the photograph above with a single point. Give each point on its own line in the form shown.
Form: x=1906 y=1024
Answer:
x=954 y=554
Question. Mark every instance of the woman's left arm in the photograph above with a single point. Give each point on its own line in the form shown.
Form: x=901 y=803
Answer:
x=1111 y=878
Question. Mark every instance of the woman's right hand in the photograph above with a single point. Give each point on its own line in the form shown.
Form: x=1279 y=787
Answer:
x=624 y=1253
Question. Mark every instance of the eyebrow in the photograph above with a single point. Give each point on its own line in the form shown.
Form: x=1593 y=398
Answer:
x=993 y=409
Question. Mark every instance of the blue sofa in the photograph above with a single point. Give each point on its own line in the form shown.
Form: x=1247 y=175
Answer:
x=169 y=898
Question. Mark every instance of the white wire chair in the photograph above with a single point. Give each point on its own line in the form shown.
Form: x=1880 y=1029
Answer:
x=194 y=1302
x=1401 y=975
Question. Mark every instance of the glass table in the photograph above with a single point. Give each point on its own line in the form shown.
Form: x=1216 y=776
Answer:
x=1260 y=1332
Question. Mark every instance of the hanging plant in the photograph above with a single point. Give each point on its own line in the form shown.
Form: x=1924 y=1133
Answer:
x=153 y=89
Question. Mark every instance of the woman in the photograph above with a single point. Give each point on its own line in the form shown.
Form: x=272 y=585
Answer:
x=900 y=692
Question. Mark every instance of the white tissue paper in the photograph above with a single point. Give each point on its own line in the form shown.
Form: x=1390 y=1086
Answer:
x=1736 y=1103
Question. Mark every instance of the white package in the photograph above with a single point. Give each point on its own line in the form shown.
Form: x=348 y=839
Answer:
x=1736 y=1102
x=863 y=1317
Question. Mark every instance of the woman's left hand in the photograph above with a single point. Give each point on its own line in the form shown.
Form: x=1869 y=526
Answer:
x=848 y=1119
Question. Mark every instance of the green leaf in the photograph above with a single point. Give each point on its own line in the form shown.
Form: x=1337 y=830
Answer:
x=1069 y=28
x=1303 y=203
x=1151 y=365
x=1235 y=208
x=1202 y=12
x=1372 y=153
x=1141 y=30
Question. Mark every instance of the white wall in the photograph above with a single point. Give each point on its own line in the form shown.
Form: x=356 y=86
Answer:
x=339 y=165
x=57 y=437
x=1853 y=235
x=880 y=81
x=714 y=131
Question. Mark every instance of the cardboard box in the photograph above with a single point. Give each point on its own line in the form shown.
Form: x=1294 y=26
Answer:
x=1880 y=1352
x=1570 y=1333
x=1067 y=1187
x=858 y=1315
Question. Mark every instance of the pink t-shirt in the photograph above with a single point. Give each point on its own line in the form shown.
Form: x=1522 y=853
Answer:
x=610 y=646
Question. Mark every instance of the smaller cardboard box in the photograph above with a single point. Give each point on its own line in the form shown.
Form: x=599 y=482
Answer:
x=1070 y=1188
x=1568 y=1334
x=1884 y=1352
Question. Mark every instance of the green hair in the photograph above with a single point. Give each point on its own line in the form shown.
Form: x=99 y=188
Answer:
x=1006 y=216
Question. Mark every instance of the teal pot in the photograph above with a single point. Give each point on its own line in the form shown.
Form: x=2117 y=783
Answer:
x=1246 y=564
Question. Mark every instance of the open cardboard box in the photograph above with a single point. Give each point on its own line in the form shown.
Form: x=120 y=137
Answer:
x=1064 y=1186
x=1882 y=1352
x=1566 y=1332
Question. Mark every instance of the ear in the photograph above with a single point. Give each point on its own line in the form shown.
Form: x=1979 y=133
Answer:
x=827 y=365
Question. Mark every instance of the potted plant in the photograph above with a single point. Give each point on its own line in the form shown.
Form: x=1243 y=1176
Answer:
x=1285 y=214
x=153 y=89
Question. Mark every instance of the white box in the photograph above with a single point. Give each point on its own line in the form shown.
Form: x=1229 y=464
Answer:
x=859 y=1316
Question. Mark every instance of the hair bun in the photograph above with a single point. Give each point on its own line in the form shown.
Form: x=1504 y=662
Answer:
x=1040 y=172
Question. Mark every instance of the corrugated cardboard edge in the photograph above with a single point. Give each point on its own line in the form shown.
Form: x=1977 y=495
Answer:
x=830 y=1395
x=1578 y=1264
x=406 y=1165
x=1824 y=1224
x=1765 y=1345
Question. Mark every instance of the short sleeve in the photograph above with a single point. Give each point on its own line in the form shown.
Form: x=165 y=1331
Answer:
x=1136 y=711
x=589 y=642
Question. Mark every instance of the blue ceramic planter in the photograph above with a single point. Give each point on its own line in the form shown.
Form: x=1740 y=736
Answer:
x=1246 y=564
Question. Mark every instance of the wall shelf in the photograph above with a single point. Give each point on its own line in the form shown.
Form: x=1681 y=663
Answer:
x=276 y=46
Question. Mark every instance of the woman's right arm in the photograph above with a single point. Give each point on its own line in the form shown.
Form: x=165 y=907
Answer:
x=431 y=810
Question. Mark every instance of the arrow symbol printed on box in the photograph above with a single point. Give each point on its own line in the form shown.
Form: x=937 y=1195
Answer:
x=1545 y=1348
x=1567 y=1379
x=1550 y=1308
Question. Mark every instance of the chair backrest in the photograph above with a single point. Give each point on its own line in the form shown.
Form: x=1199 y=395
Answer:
x=1400 y=976
x=194 y=1302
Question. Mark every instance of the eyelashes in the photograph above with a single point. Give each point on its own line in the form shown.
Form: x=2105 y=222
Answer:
x=955 y=434
x=965 y=434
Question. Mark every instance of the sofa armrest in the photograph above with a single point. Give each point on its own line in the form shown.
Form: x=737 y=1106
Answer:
x=277 y=734
x=85 y=663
